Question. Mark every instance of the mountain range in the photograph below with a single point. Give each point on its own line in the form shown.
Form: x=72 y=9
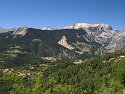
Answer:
x=77 y=59
x=72 y=41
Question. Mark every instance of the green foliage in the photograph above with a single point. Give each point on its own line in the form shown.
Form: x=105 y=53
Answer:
x=20 y=60
x=99 y=75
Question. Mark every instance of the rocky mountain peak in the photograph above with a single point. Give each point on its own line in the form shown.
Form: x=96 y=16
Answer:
x=77 y=26
x=47 y=28
x=20 y=31
x=102 y=26
x=86 y=25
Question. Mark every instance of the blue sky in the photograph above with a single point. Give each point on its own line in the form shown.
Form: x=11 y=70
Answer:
x=60 y=13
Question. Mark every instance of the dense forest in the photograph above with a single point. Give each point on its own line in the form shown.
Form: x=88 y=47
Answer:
x=99 y=75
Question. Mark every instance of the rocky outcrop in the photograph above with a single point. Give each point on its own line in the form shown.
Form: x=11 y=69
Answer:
x=117 y=42
x=64 y=43
x=20 y=31
x=101 y=33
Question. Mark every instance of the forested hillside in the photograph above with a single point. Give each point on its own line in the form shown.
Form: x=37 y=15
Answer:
x=64 y=61
x=47 y=43
x=99 y=75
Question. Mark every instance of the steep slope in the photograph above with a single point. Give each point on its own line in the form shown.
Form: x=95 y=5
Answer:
x=76 y=40
x=101 y=33
x=20 y=31
x=118 y=42
x=64 y=43
x=59 y=44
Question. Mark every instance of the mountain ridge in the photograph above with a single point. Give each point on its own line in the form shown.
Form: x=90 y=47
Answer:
x=69 y=41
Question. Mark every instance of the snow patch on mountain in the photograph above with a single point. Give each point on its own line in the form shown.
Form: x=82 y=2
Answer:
x=101 y=33
x=47 y=28
x=90 y=28
x=86 y=25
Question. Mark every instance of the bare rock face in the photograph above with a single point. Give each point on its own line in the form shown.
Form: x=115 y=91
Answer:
x=77 y=26
x=64 y=43
x=86 y=25
x=117 y=42
x=101 y=33
x=20 y=31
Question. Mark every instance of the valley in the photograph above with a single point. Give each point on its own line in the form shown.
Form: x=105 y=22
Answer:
x=77 y=59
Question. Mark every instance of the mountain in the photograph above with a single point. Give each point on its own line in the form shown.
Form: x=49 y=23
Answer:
x=101 y=33
x=73 y=41
x=20 y=31
x=2 y=30
x=58 y=44
x=47 y=28
x=78 y=59
x=118 y=42
x=85 y=25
